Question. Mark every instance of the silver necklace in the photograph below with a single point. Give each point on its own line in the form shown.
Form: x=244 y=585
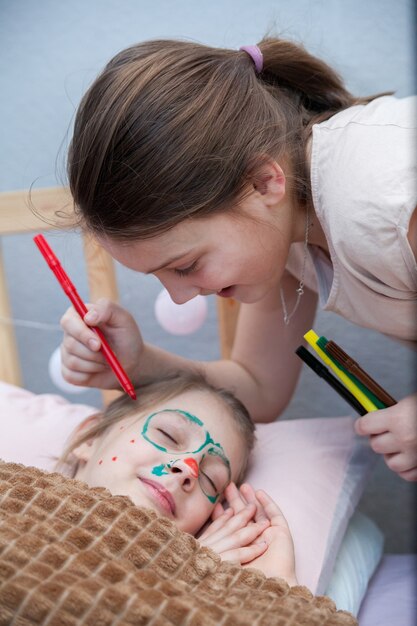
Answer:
x=300 y=288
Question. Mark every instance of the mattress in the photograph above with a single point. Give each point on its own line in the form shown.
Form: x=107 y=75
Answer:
x=391 y=598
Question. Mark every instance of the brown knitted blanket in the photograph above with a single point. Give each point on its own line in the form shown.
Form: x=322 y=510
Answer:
x=72 y=555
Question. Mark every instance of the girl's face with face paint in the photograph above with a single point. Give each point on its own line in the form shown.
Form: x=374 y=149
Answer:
x=177 y=459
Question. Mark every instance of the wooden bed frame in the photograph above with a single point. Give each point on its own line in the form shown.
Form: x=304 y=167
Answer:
x=16 y=216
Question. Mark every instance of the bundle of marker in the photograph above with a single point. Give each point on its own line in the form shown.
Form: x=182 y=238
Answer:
x=353 y=384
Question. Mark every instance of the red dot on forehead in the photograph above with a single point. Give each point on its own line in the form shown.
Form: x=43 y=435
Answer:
x=132 y=441
x=114 y=458
x=100 y=462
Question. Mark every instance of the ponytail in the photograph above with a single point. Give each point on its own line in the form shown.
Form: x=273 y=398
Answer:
x=311 y=82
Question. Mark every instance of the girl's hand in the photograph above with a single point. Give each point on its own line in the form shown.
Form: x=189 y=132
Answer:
x=393 y=433
x=232 y=535
x=278 y=559
x=82 y=361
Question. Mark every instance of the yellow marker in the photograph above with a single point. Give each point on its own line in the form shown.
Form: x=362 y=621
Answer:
x=311 y=337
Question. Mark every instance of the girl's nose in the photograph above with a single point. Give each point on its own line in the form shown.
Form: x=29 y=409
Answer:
x=187 y=470
x=193 y=465
x=180 y=293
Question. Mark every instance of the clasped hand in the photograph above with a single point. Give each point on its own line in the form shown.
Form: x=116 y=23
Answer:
x=252 y=532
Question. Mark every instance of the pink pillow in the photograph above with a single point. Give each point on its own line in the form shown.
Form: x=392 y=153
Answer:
x=316 y=471
x=34 y=428
x=314 y=468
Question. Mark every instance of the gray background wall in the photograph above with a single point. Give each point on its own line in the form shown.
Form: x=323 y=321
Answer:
x=50 y=51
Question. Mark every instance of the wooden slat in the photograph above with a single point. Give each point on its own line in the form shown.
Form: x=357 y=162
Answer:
x=102 y=284
x=9 y=358
x=46 y=209
x=16 y=215
x=100 y=271
x=227 y=312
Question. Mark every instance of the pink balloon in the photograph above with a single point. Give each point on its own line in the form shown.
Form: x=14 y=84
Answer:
x=54 y=368
x=180 y=319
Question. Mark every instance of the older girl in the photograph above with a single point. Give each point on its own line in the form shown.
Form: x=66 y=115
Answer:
x=252 y=174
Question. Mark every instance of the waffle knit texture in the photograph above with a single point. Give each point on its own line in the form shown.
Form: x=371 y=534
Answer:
x=71 y=555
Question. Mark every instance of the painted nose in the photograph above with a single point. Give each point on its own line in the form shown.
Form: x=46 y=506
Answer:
x=187 y=471
x=193 y=465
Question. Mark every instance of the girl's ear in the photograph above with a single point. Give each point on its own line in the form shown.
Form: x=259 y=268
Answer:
x=84 y=451
x=269 y=180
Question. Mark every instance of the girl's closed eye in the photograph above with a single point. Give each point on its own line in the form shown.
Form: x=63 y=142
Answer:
x=168 y=436
x=184 y=271
x=210 y=481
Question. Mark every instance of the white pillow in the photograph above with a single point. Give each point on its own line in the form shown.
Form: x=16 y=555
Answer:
x=359 y=555
x=315 y=469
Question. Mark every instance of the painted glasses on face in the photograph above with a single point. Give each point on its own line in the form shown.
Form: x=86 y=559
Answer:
x=182 y=434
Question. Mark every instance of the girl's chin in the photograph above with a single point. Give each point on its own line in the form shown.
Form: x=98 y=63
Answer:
x=227 y=292
x=249 y=296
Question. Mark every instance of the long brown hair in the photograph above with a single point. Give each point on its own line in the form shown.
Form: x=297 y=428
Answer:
x=171 y=130
x=150 y=393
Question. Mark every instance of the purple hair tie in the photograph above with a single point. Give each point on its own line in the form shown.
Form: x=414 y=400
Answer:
x=256 y=56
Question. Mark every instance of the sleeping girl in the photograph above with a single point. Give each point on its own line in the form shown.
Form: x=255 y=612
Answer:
x=180 y=449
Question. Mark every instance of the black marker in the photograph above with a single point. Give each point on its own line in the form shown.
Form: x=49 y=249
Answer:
x=324 y=373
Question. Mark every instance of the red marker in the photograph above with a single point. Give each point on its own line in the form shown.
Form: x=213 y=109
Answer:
x=81 y=309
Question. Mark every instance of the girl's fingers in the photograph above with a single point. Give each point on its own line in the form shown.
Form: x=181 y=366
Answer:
x=401 y=462
x=249 y=494
x=386 y=443
x=236 y=538
x=217 y=511
x=245 y=554
x=104 y=312
x=272 y=510
x=83 y=364
x=237 y=520
x=230 y=525
x=373 y=423
x=234 y=498
x=73 y=351
x=410 y=475
x=77 y=331
x=77 y=378
x=217 y=524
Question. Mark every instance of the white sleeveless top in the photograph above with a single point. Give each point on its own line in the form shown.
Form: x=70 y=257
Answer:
x=364 y=188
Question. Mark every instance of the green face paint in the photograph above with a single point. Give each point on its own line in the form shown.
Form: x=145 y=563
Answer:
x=159 y=470
x=155 y=435
x=220 y=453
x=192 y=418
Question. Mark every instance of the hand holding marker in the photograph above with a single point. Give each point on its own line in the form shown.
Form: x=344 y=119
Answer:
x=81 y=309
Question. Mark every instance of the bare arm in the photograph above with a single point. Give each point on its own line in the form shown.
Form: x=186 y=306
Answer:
x=264 y=349
x=263 y=369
